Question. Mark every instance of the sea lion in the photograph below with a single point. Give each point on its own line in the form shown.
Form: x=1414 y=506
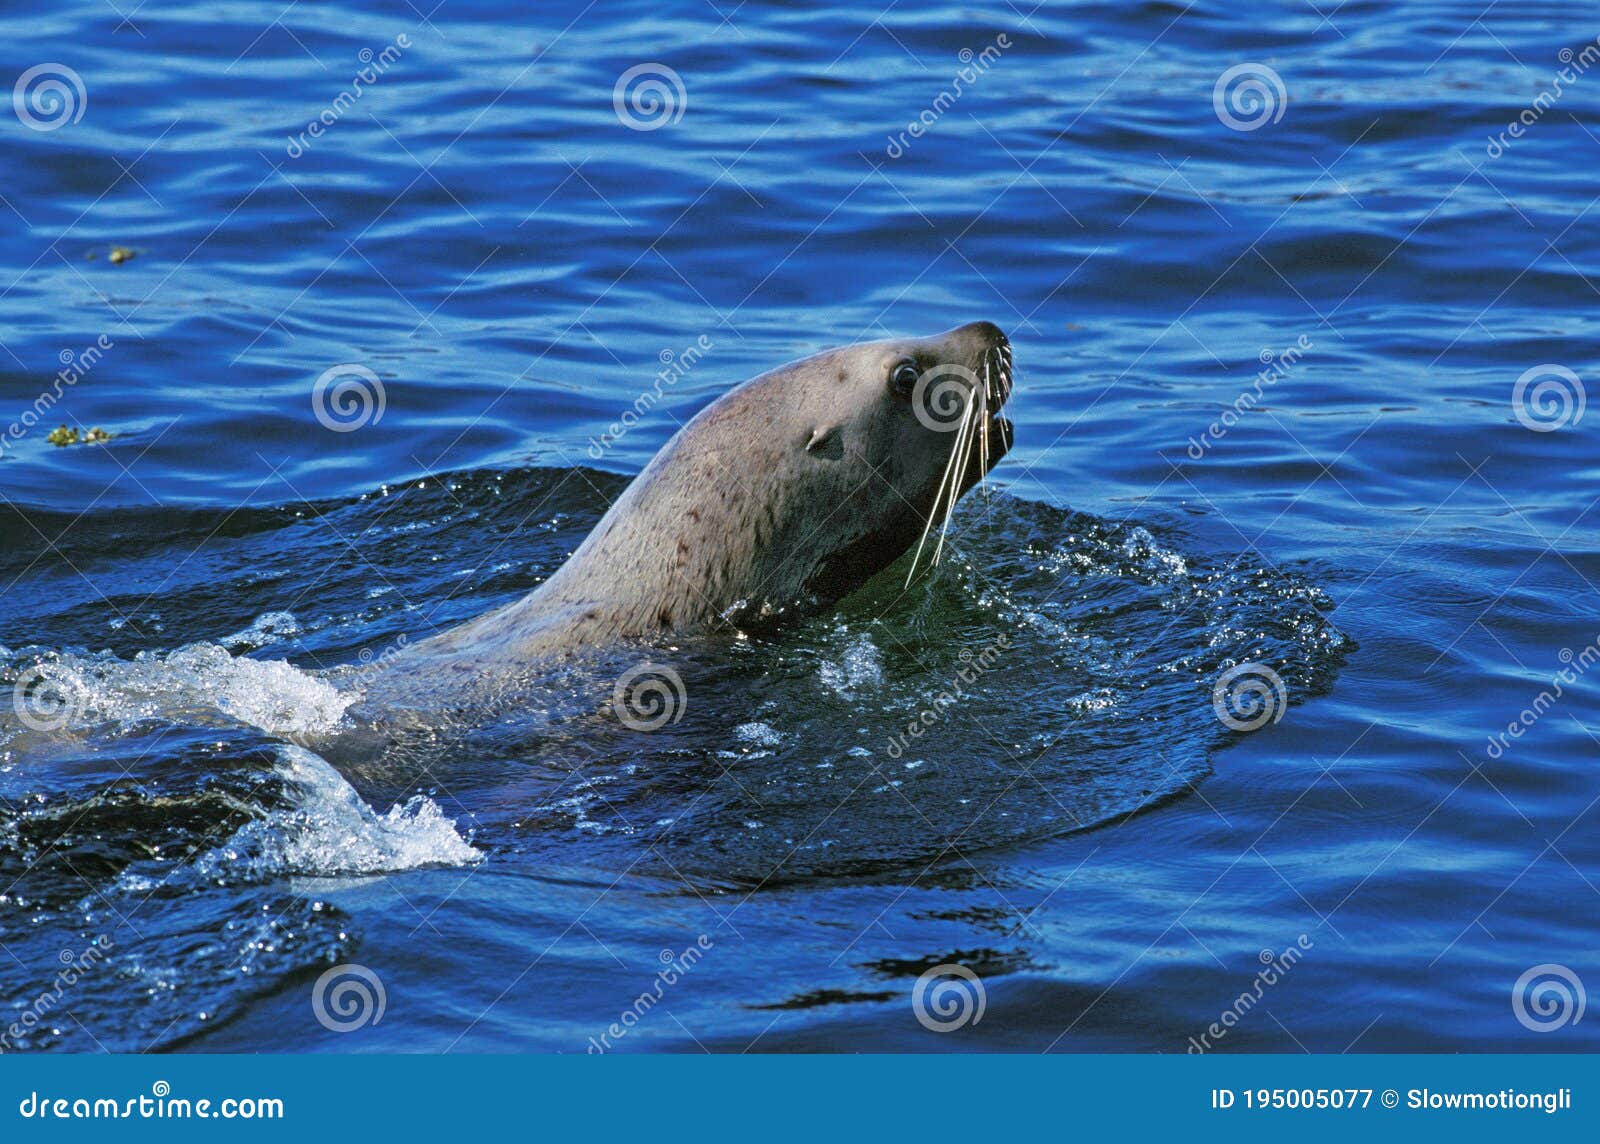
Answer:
x=780 y=497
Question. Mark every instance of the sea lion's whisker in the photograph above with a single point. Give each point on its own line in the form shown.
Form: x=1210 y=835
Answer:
x=957 y=466
x=933 y=509
x=964 y=451
x=983 y=428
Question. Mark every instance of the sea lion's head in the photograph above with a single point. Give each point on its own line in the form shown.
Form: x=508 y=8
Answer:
x=785 y=494
x=925 y=410
x=826 y=470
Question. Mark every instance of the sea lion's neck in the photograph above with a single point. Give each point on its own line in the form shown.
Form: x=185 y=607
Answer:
x=679 y=548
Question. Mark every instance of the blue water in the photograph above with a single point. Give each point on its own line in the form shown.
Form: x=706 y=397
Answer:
x=1391 y=526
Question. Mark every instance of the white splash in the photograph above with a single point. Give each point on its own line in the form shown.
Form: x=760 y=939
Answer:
x=758 y=734
x=333 y=831
x=267 y=628
x=193 y=684
x=859 y=664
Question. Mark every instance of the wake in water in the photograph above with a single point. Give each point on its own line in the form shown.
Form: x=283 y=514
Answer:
x=156 y=829
x=168 y=807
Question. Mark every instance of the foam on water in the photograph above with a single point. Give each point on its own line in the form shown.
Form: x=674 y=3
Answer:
x=267 y=628
x=858 y=664
x=70 y=691
x=159 y=787
x=758 y=734
x=332 y=831
x=305 y=818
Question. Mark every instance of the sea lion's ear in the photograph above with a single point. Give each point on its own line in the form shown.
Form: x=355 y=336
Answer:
x=826 y=442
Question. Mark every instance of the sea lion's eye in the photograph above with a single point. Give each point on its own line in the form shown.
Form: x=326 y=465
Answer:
x=903 y=377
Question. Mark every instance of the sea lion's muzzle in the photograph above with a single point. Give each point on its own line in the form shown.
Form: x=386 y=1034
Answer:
x=998 y=382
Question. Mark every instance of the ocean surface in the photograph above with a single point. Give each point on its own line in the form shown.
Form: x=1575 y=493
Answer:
x=1215 y=685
